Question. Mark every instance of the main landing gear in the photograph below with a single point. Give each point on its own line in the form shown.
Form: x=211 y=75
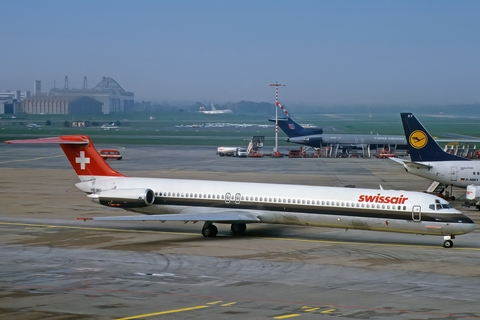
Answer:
x=210 y=230
x=448 y=243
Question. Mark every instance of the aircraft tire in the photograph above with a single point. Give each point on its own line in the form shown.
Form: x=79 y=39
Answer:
x=238 y=228
x=210 y=231
x=448 y=244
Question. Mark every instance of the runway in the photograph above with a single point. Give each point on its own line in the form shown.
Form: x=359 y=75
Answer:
x=56 y=267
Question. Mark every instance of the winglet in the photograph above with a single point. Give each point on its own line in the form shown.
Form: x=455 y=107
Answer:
x=421 y=145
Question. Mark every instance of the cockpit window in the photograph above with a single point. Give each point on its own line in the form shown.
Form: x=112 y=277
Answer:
x=440 y=206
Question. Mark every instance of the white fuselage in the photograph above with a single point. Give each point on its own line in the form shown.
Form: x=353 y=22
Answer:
x=349 y=208
x=455 y=173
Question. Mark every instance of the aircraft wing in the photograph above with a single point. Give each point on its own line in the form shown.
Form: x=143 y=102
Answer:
x=230 y=216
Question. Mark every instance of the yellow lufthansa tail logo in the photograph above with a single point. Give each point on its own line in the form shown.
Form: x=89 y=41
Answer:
x=418 y=139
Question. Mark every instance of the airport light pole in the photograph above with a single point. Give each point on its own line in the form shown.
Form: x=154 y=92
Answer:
x=276 y=85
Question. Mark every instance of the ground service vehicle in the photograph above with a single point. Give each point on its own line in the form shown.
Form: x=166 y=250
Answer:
x=110 y=154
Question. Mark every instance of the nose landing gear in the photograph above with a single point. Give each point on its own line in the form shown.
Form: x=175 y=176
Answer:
x=448 y=243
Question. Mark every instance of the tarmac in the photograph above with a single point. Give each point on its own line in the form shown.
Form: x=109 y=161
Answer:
x=54 y=266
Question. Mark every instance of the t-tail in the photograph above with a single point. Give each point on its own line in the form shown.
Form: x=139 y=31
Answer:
x=82 y=155
x=293 y=129
x=421 y=145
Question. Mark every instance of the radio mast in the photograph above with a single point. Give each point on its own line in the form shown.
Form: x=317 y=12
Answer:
x=276 y=85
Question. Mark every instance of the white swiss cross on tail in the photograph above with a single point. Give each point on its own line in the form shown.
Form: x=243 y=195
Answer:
x=82 y=160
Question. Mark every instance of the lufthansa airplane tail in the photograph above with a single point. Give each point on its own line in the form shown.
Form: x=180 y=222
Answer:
x=421 y=145
x=83 y=157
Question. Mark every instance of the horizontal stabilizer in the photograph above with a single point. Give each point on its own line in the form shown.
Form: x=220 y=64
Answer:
x=223 y=216
x=56 y=140
x=417 y=165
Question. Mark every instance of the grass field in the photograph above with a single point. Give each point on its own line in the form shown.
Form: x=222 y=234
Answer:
x=164 y=128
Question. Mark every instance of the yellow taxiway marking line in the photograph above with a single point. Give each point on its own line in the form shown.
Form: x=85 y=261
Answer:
x=228 y=304
x=328 y=311
x=163 y=312
x=264 y=238
x=286 y=316
x=33 y=159
x=310 y=309
x=215 y=302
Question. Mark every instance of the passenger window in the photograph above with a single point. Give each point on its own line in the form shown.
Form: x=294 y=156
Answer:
x=308 y=201
x=323 y=203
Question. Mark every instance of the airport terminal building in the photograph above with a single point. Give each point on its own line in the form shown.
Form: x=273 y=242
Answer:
x=105 y=98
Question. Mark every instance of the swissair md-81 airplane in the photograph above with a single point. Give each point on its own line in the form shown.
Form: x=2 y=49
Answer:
x=239 y=203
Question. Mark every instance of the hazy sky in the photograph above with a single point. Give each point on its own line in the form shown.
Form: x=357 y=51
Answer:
x=326 y=52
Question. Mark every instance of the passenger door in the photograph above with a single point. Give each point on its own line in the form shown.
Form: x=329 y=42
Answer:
x=416 y=213
x=453 y=174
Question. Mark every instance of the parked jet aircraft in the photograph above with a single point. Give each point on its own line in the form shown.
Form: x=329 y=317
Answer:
x=239 y=203
x=215 y=111
x=317 y=138
x=430 y=161
x=33 y=125
x=108 y=126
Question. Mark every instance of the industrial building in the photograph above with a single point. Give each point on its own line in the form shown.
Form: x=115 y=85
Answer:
x=106 y=97
x=11 y=100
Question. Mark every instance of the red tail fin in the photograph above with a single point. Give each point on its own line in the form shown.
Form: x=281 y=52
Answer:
x=81 y=153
